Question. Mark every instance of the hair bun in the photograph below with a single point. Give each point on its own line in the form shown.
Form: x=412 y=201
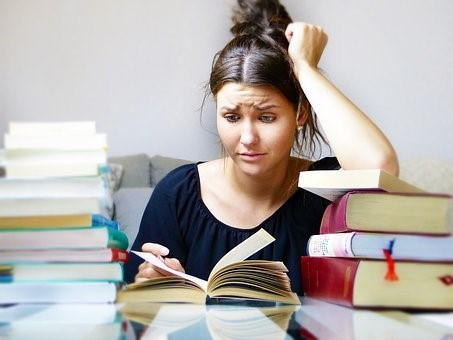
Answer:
x=259 y=17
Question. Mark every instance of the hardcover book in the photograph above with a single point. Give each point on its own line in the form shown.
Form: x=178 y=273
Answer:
x=361 y=283
x=10 y=207
x=378 y=211
x=51 y=128
x=82 y=141
x=61 y=272
x=332 y=184
x=69 y=238
x=57 y=221
x=56 y=187
x=233 y=277
x=64 y=255
x=371 y=245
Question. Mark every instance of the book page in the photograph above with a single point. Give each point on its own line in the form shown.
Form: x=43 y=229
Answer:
x=151 y=258
x=245 y=249
x=239 y=253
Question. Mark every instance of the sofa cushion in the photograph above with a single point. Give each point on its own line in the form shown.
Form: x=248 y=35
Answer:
x=428 y=173
x=160 y=166
x=130 y=203
x=135 y=172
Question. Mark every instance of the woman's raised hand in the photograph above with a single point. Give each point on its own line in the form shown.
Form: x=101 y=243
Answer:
x=148 y=271
x=306 y=44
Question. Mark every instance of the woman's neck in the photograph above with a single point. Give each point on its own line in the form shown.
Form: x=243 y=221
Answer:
x=273 y=187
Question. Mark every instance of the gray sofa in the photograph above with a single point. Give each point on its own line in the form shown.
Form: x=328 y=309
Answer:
x=134 y=178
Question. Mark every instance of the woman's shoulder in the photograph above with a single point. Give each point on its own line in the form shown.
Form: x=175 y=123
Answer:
x=183 y=177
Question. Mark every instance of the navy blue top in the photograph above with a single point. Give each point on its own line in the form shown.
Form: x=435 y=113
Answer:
x=177 y=218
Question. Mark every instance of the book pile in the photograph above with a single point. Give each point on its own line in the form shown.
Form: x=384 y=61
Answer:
x=57 y=240
x=383 y=243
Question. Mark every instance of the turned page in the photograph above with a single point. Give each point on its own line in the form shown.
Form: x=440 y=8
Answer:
x=239 y=253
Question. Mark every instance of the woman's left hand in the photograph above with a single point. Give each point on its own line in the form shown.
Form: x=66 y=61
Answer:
x=306 y=44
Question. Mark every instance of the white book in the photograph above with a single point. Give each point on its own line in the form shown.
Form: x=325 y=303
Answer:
x=53 y=128
x=40 y=170
x=30 y=157
x=332 y=184
x=56 y=142
x=84 y=186
x=49 y=206
x=371 y=245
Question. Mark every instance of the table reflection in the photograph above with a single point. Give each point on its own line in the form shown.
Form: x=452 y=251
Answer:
x=213 y=321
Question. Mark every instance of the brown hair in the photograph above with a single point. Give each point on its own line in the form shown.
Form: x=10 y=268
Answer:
x=258 y=55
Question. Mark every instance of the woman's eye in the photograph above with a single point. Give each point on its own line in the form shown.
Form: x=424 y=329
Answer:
x=232 y=118
x=267 y=118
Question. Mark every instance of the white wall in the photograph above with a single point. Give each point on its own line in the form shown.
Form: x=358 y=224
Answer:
x=138 y=67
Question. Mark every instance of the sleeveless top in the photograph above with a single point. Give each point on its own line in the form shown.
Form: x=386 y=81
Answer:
x=177 y=218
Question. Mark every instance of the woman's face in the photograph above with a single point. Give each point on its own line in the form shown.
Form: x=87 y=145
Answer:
x=256 y=126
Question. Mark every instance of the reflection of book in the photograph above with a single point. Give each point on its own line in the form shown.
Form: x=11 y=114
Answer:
x=57 y=221
x=226 y=322
x=232 y=277
x=53 y=271
x=57 y=292
x=70 y=238
x=212 y=321
x=64 y=255
x=162 y=319
x=389 y=212
x=10 y=207
x=362 y=283
x=331 y=184
x=54 y=321
x=369 y=245
x=329 y=321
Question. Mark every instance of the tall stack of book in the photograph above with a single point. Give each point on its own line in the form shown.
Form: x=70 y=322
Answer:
x=383 y=243
x=57 y=241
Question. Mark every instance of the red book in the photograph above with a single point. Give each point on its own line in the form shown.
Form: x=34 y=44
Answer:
x=64 y=255
x=380 y=211
x=364 y=283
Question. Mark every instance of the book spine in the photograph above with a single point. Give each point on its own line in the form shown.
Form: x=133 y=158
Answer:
x=119 y=255
x=330 y=279
x=336 y=245
x=116 y=239
x=334 y=217
x=101 y=220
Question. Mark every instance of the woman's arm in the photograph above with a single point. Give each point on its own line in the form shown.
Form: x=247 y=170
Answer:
x=356 y=141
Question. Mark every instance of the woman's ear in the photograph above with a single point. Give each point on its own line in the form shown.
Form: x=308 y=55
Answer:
x=302 y=115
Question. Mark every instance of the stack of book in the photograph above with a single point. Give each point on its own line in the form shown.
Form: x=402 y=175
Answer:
x=383 y=243
x=57 y=240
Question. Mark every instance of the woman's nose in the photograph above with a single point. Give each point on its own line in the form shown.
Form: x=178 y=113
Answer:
x=249 y=134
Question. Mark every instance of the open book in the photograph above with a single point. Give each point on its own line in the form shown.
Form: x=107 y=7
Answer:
x=232 y=277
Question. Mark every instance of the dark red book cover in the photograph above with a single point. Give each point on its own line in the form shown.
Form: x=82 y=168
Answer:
x=334 y=217
x=329 y=279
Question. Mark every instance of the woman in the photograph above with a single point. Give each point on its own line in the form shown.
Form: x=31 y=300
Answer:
x=269 y=95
